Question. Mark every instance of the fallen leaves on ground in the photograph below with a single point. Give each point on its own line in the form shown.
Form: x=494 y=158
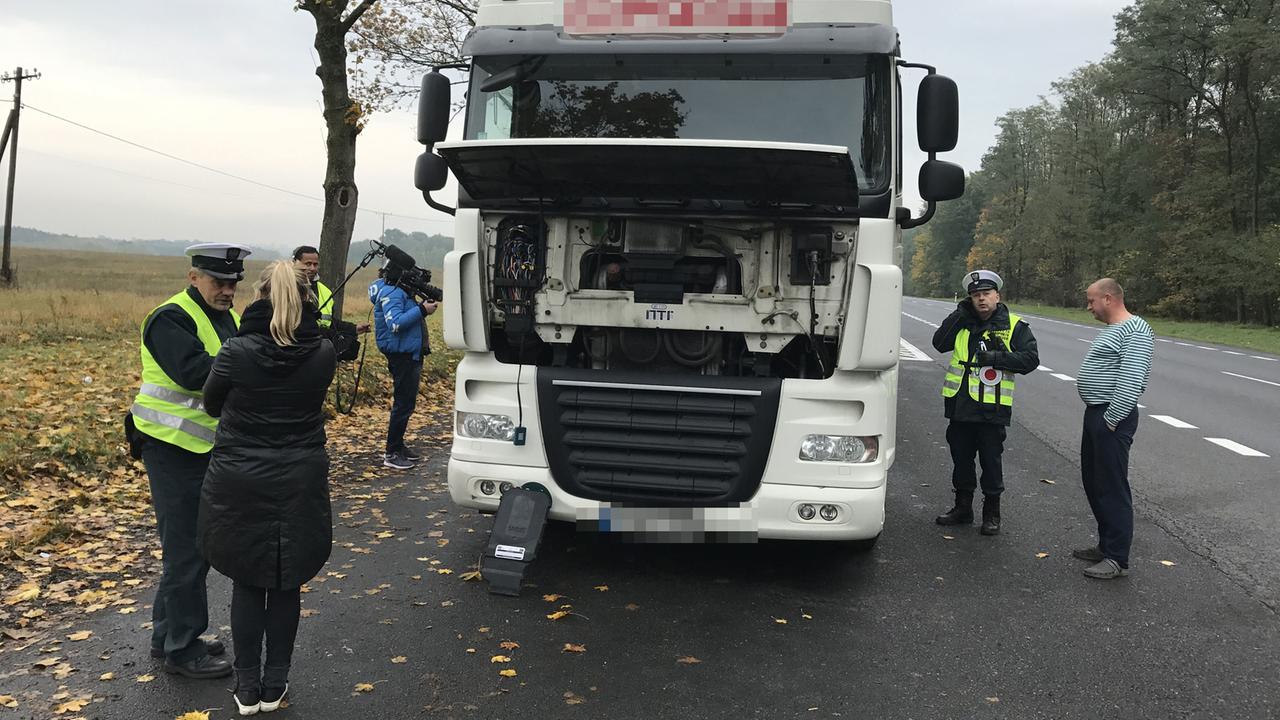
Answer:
x=509 y=672
x=500 y=659
x=688 y=660
x=399 y=660
x=146 y=678
x=8 y=701
x=194 y=715
x=80 y=635
x=1168 y=563
x=107 y=676
x=571 y=698
x=1042 y=555
x=73 y=706
x=363 y=688
x=572 y=648
x=508 y=645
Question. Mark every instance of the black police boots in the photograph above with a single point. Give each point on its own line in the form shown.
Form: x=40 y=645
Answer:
x=990 y=515
x=961 y=514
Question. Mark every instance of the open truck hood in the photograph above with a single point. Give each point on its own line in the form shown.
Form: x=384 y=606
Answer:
x=653 y=169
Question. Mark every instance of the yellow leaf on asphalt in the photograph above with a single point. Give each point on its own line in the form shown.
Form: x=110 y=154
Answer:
x=570 y=647
x=107 y=676
x=508 y=645
x=993 y=700
x=81 y=635
x=551 y=598
x=399 y=660
x=1042 y=555
x=364 y=687
x=509 y=672
x=128 y=610
x=602 y=588
x=557 y=615
x=1047 y=481
x=146 y=678
x=1168 y=563
x=806 y=616
x=631 y=606
x=444 y=571
x=780 y=621
x=469 y=576
x=71 y=706
x=385 y=534
x=948 y=537
x=500 y=659
x=688 y=660
x=195 y=715
x=25 y=593
x=571 y=698
x=8 y=701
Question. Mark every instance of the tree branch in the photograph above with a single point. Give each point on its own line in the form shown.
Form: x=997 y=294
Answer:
x=355 y=14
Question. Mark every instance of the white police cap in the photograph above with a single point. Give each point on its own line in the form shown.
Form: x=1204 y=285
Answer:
x=224 y=261
x=981 y=280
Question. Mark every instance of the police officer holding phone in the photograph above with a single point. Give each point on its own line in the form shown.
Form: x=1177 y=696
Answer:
x=988 y=346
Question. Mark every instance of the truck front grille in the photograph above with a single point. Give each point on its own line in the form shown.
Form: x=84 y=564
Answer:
x=626 y=438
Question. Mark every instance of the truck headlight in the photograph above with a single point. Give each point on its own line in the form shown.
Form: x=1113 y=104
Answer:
x=839 y=448
x=486 y=427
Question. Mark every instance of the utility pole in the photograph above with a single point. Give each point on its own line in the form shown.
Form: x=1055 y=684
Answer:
x=11 y=129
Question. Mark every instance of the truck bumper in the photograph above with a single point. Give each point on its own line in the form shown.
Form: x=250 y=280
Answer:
x=773 y=513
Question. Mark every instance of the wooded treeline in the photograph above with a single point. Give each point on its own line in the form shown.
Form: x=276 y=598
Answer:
x=1158 y=165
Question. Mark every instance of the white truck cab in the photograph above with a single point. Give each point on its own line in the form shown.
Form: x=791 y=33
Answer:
x=676 y=268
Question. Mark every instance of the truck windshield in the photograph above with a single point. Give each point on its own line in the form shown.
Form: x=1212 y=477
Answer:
x=828 y=100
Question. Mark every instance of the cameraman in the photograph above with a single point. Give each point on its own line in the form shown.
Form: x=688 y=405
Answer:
x=400 y=329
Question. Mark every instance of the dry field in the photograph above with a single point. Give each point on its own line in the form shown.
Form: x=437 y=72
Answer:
x=75 y=516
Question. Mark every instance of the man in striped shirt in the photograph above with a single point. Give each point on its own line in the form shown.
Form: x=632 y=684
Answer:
x=1111 y=378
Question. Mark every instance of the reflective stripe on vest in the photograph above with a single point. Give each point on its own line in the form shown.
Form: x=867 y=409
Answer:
x=323 y=293
x=1001 y=394
x=164 y=409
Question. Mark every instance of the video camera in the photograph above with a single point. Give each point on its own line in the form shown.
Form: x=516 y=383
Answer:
x=402 y=271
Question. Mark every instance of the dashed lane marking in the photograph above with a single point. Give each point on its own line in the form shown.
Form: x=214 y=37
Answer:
x=1067 y=378
x=1175 y=422
x=1085 y=341
x=1233 y=352
x=920 y=319
x=1236 y=447
x=1246 y=377
x=1259 y=357
x=911 y=352
x=1045 y=369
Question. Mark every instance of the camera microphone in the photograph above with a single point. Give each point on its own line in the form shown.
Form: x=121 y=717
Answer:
x=399 y=258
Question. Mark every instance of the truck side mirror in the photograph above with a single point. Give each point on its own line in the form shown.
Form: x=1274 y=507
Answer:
x=941 y=180
x=433 y=108
x=937 y=114
x=431 y=171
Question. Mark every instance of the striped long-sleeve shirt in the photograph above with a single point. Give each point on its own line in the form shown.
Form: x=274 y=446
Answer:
x=1117 y=367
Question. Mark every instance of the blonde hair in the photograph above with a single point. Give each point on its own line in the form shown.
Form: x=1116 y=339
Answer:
x=286 y=287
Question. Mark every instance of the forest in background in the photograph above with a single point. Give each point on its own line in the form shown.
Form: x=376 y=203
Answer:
x=1156 y=165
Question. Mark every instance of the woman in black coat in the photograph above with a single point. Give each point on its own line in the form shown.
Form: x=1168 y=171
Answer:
x=265 y=520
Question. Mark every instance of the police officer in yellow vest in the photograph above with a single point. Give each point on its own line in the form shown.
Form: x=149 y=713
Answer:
x=179 y=340
x=988 y=346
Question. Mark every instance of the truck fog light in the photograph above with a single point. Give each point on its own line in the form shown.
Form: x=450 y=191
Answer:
x=839 y=448
x=486 y=487
x=504 y=487
x=807 y=512
x=829 y=512
x=486 y=427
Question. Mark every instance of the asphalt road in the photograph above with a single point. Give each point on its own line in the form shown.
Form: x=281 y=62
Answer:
x=1206 y=459
x=934 y=623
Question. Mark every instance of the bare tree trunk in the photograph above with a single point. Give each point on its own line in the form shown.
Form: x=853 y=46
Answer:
x=343 y=119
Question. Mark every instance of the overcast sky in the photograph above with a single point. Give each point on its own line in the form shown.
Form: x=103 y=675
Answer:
x=231 y=84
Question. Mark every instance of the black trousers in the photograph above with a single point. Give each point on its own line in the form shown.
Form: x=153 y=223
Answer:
x=256 y=612
x=181 y=610
x=1104 y=468
x=405 y=375
x=986 y=440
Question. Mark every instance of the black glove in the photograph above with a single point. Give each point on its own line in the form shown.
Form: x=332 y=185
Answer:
x=984 y=359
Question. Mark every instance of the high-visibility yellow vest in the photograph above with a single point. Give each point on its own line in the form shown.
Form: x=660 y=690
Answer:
x=164 y=409
x=322 y=299
x=999 y=393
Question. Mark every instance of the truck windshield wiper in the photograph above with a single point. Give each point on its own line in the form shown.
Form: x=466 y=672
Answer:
x=504 y=79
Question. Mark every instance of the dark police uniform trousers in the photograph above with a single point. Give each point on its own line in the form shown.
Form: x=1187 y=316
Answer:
x=181 y=610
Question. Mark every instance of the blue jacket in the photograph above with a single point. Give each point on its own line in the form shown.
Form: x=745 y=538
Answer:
x=397 y=320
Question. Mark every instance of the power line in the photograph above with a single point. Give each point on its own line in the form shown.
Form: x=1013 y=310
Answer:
x=214 y=170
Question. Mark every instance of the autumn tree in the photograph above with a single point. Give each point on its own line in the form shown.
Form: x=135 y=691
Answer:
x=343 y=119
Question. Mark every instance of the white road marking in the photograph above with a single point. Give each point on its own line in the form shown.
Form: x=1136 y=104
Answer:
x=1184 y=344
x=1246 y=377
x=1141 y=406
x=911 y=352
x=1085 y=341
x=1232 y=352
x=1167 y=420
x=1163 y=340
x=1236 y=447
x=1045 y=369
x=1259 y=357
x=1202 y=347
x=926 y=322
x=1067 y=378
